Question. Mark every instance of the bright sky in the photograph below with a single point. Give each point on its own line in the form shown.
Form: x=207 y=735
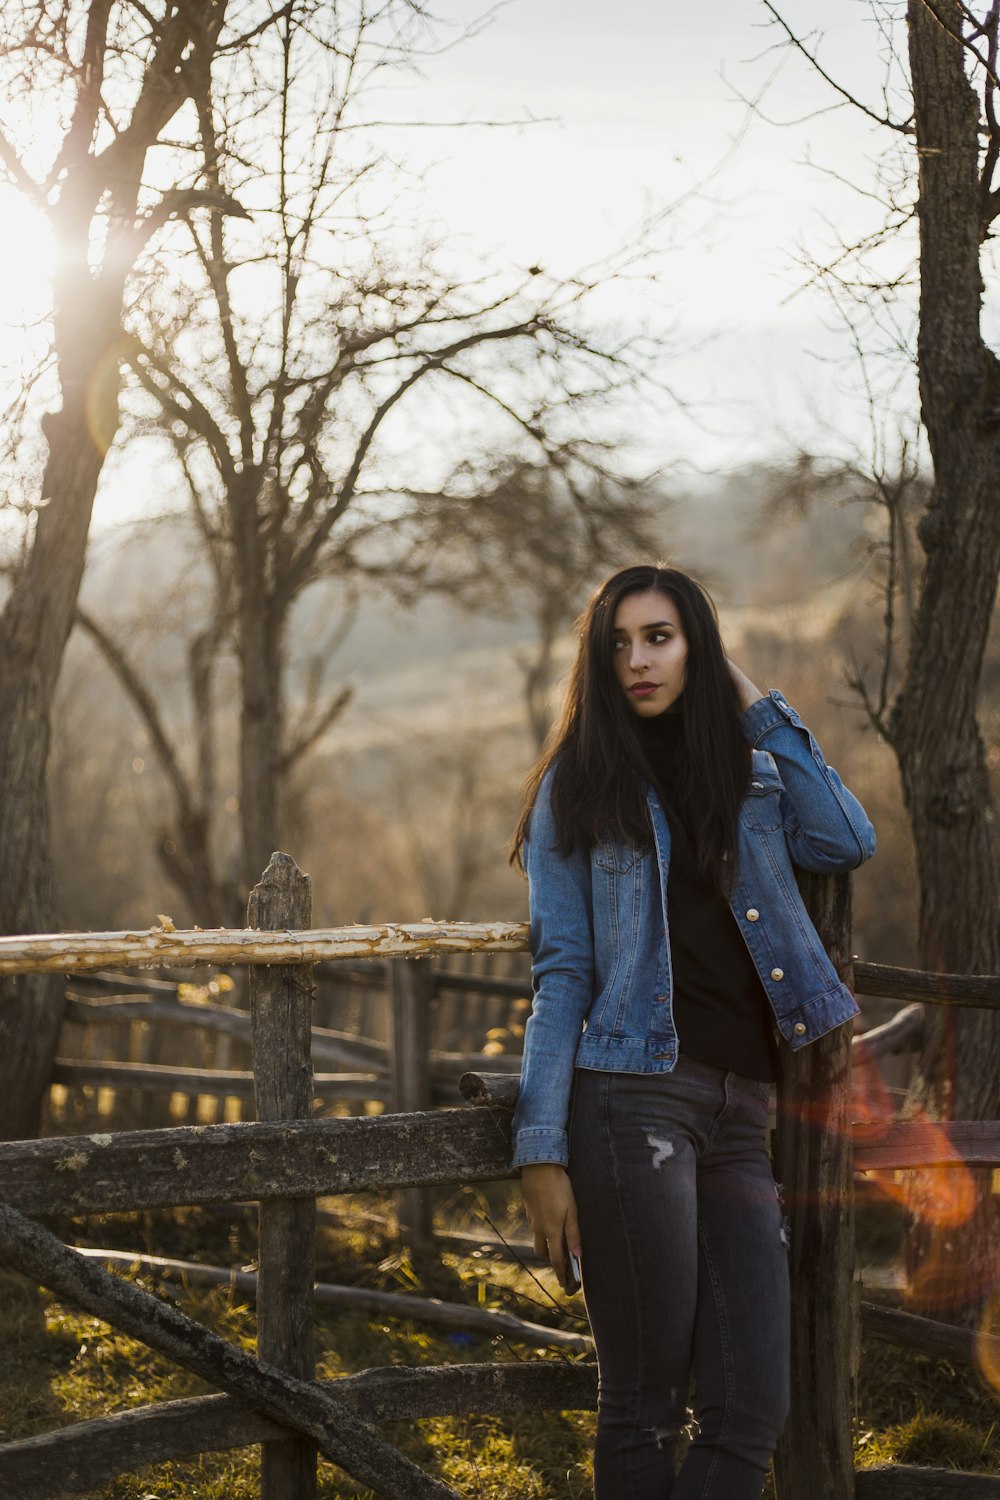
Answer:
x=639 y=102
x=645 y=101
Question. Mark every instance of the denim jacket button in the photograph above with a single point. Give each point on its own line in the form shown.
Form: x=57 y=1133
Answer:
x=778 y=974
x=753 y=914
x=800 y=1028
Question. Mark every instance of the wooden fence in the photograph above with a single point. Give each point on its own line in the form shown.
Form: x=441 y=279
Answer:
x=286 y=1159
x=126 y=1046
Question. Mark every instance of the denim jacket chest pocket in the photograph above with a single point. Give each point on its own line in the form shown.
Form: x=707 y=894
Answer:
x=617 y=859
x=763 y=800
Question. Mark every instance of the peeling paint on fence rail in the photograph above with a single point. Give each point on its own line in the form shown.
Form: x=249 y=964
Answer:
x=155 y=947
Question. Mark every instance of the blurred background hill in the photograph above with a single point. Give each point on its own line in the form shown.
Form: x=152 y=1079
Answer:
x=404 y=807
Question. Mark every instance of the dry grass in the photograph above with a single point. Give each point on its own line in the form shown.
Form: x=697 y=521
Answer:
x=58 y=1366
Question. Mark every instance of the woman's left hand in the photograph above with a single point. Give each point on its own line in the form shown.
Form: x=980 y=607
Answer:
x=747 y=691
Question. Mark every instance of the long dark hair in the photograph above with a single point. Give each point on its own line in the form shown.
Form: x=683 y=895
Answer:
x=595 y=753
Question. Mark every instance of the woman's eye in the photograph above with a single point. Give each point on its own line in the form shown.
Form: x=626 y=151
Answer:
x=658 y=637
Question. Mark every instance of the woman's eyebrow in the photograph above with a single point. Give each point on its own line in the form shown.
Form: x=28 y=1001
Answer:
x=656 y=625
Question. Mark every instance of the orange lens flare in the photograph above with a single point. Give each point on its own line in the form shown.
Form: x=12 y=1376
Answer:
x=942 y=1195
x=988 y=1342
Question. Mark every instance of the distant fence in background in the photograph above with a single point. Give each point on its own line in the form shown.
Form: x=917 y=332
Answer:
x=287 y=1159
x=156 y=1052
x=163 y=1051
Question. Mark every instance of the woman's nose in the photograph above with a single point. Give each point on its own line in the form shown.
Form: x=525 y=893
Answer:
x=637 y=656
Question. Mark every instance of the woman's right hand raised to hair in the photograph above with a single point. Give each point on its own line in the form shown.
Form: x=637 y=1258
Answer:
x=551 y=1208
x=746 y=691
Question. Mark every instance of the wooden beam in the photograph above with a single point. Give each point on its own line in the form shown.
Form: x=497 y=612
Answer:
x=945 y=1340
x=411 y=990
x=490 y=1090
x=901 y=1033
x=358 y=1054
x=79 y=1458
x=59 y=953
x=298 y=1405
x=932 y=989
x=926 y=1143
x=223 y=1083
x=490 y=1322
x=280 y=1012
x=812 y=1162
x=115 y=984
x=220 y=1083
x=911 y=1482
x=193 y=1164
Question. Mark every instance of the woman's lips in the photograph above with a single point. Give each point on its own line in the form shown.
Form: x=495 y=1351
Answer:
x=643 y=689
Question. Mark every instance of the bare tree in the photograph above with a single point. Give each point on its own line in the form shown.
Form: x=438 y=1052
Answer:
x=931 y=718
x=111 y=77
x=277 y=408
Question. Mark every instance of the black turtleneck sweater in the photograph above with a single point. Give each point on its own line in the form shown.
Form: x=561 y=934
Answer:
x=721 y=1012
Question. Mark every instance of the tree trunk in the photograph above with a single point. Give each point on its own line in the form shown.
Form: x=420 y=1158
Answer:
x=934 y=726
x=260 y=641
x=34 y=628
x=38 y=616
x=813 y=1162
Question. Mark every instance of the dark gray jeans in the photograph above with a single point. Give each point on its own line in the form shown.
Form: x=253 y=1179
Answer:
x=685 y=1274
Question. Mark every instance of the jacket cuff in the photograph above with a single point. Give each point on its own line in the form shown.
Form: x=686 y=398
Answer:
x=767 y=714
x=540 y=1143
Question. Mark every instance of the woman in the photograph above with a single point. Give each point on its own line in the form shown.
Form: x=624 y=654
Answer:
x=669 y=947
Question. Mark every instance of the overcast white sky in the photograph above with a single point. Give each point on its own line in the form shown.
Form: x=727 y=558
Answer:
x=639 y=101
x=643 y=101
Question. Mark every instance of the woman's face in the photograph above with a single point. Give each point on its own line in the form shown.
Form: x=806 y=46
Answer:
x=650 y=652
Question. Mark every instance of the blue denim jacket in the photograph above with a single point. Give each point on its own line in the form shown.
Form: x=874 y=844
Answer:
x=599 y=927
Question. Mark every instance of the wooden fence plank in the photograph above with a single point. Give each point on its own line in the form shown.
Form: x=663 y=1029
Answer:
x=411 y=990
x=280 y=1015
x=116 y=984
x=980 y=990
x=375 y=976
x=76 y=1459
x=813 y=1162
x=925 y=1143
x=193 y=1164
x=945 y=1340
x=491 y=1322
x=217 y=1082
x=911 y=1482
x=354 y=1052
x=296 y=1404
x=902 y=1032
x=59 y=953
x=446 y=1069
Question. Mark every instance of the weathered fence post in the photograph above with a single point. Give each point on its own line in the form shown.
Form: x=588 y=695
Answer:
x=814 y=1162
x=281 y=1020
x=411 y=989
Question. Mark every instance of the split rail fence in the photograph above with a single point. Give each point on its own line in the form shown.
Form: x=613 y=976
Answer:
x=286 y=1159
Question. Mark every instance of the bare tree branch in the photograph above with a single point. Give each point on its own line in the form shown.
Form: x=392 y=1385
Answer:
x=905 y=127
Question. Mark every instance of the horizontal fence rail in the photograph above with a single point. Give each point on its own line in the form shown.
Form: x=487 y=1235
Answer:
x=225 y=947
x=981 y=991
x=196 y=1164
